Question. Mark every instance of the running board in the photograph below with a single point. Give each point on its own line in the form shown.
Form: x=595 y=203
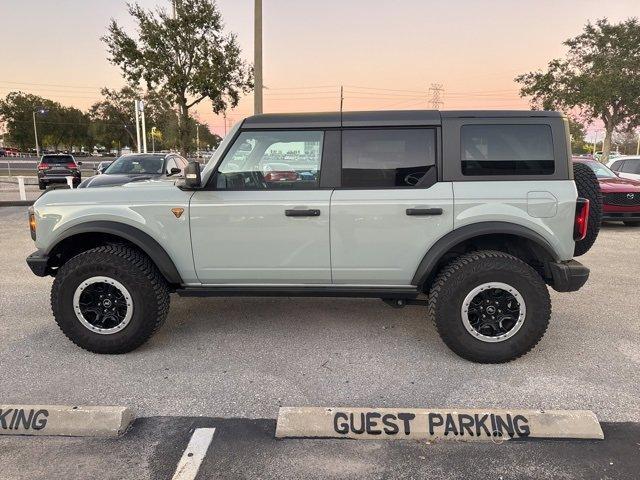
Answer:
x=300 y=291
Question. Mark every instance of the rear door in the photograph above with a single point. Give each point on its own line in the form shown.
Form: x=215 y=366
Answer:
x=390 y=208
x=264 y=218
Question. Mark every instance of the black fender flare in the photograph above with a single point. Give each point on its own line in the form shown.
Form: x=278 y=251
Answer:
x=443 y=245
x=142 y=240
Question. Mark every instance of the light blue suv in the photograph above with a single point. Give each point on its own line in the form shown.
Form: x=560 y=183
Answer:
x=470 y=213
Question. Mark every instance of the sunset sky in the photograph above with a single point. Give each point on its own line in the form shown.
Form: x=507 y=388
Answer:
x=386 y=54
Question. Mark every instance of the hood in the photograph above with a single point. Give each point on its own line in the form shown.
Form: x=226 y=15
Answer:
x=106 y=180
x=619 y=184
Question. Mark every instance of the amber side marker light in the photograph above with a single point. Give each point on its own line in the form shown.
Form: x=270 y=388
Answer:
x=32 y=223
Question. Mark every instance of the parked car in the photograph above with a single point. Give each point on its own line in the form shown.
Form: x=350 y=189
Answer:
x=626 y=167
x=102 y=166
x=56 y=168
x=470 y=214
x=136 y=167
x=621 y=196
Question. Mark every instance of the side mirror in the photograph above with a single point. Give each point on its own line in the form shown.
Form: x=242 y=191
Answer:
x=192 y=177
x=79 y=163
x=174 y=171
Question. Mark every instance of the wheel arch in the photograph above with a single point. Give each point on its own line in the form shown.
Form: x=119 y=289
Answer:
x=516 y=239
x=90 y=234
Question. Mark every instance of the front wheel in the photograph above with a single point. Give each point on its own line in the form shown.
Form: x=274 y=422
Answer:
x=489 y=306
x=109 y=299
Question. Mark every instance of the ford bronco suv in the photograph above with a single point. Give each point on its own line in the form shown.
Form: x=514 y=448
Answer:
x=469 y=213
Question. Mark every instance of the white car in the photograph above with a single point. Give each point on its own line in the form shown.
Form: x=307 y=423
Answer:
x=626 y=167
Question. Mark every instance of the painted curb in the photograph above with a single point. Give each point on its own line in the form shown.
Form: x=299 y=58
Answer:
x=459 y=425
x=64 y=420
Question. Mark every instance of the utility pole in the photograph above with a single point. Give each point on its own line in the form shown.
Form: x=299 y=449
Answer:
x=257 y=61
x=35 y=131
x=173 y=4
x=638 y=147
x=341 y=98
x=224 y=117
x=137 y=109
x=435 y=99
x=144 y=128
x=197 y=140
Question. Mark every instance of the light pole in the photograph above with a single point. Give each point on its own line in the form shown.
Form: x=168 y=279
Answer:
x=257 y=61
x=42 y=111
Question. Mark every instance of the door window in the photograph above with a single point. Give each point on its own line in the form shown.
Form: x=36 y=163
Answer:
x=285 y=160
x=631 y=166
x=387 y=158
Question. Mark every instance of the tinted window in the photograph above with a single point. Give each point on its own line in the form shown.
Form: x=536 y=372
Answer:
x=134 y=164
x=631 y=166
x=381 y=158
x=57 y=159
x=617 y=166
x=506 y=150
x=287 y=160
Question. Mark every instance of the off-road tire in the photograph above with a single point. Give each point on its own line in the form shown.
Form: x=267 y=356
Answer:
x=134 y=270
x=631 y=223
x=461 y=276
x=589 y=188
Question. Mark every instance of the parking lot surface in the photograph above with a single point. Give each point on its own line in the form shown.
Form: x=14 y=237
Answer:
x=244 y=357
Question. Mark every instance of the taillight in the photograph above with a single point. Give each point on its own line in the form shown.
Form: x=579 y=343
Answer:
x=43 y=166
x=72 y=166
x=582 y=219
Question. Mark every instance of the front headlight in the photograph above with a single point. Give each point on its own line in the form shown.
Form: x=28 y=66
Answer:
x=32 y=223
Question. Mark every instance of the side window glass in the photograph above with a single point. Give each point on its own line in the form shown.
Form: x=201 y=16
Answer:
x=286 y=160
x=635 y=166
x=506 y=150
x=618 y=166
x=386 y=158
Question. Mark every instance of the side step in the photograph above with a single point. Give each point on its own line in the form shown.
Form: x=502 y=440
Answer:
x=385 y=292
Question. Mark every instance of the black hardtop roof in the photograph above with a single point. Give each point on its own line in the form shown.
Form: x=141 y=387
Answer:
x=380 y=118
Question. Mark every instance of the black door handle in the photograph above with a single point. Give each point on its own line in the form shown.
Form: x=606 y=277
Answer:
x=424 y=211
x=302 y=213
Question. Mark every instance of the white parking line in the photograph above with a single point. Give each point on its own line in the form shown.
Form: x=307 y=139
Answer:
x=194 y=454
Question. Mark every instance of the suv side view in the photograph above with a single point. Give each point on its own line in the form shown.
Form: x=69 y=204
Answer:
x=469 y=213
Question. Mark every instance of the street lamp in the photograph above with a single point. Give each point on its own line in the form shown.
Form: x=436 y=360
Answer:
x=41 y=111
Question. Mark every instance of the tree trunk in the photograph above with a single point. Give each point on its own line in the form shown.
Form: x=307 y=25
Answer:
x=183 y=129
x=606 y=144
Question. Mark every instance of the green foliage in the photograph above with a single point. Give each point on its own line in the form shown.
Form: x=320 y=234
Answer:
x=59 y=127
x=578 y=132
x=186 y=59
x=599 y=77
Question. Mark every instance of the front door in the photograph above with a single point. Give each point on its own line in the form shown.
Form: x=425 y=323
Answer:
x=265 y=219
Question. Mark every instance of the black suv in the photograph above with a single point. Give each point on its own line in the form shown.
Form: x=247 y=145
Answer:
x=56 y=169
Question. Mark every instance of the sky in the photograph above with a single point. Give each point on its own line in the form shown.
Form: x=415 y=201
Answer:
x=385 y=54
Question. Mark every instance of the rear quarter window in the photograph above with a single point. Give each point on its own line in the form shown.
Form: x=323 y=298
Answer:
x=506 y=150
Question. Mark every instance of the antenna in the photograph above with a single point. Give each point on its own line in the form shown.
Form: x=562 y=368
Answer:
x=435 y=100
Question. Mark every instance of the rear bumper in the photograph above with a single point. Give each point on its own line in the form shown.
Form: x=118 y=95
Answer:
x=568 y=276
x=38 y=263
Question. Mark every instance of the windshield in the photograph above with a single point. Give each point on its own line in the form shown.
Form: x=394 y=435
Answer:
x=136 y=164
x=601 y=170
x=219 y=151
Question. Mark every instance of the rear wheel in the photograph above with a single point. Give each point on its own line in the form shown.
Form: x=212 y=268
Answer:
x=109 y=299
x=589 y=188
x=490 y=307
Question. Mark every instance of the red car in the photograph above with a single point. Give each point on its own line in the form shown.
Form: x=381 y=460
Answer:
x=621 y=196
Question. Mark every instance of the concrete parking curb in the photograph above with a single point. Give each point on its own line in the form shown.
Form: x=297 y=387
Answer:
x=488 y=425
x=16 y=203
x=72 y=421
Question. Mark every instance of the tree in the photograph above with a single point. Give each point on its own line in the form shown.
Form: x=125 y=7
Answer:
x=187 y=58
x=58 y=126
x=578 y=132
x=600 y=77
